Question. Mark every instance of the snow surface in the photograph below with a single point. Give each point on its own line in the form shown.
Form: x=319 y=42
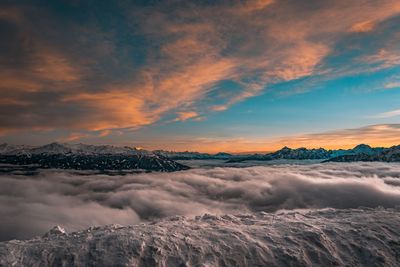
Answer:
x=328 y=237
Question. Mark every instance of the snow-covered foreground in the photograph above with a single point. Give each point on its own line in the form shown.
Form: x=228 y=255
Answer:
x=327 y=237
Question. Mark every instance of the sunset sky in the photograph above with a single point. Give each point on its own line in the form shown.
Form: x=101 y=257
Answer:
x=208 y=76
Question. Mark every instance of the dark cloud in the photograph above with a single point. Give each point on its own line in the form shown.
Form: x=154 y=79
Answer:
x=30 y=205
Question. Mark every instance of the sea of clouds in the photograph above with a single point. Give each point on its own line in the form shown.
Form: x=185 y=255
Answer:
x=31 y=205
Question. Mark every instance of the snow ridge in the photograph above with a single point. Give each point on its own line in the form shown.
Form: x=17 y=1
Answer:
x=327 y=237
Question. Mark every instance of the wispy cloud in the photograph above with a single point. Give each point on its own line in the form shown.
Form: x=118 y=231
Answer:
x=185 y=115
x=388 y=114
x=392 y=85
x=364 y=26
x=386 y=58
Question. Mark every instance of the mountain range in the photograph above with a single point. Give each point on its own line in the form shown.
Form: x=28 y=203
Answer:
x=87 y=157
x=361 y=152
x=187 y=155
x=106 y=157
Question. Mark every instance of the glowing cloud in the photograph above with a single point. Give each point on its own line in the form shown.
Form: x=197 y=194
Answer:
x=365 y=26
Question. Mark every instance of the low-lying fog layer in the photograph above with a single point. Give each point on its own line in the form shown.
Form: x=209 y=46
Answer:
x=30 y=205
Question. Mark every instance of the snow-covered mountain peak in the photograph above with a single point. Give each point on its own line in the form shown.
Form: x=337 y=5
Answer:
x=67 y=148
x=56 y=230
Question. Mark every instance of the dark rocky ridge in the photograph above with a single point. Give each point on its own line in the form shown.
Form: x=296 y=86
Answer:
x=187 y=155
x=391 y=154
x=87 y=157
x=359 y=153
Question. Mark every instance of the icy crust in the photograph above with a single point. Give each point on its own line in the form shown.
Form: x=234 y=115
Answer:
x=354 y=237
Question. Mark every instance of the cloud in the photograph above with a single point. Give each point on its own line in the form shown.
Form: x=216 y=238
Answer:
x=386 y=58
x=77 y=136
x=365 y=26
x=185 y=115
x=30 y=205
x=79 y=74
x=123 y=110
x=392 y=85
x=55 y=67
x=252 y=6
x=389 y=114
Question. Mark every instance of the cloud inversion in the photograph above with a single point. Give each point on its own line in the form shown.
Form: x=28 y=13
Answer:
x=30 y=205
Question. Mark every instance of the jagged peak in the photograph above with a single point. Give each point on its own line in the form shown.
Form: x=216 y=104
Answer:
x=56 y=230
x=362 y=146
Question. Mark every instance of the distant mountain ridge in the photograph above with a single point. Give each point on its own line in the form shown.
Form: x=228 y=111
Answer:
x=361 y=152
x=65 y=148
x=87 y=157
x=107 y=157
x=391 y=154
x=187 y=155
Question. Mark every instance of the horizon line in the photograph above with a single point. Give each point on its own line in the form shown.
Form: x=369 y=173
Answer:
x=211 y=153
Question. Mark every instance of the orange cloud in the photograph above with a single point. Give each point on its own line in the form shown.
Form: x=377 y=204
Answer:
x=301 y=62
x=136 y=105
x=364 y=26
x=55 y=67
x=11 y=14
x=13 y=101
x=76 y=136
x=252 y=6
x=16 y=81
x=185 y=115
x=386 y=58
x=113 y=109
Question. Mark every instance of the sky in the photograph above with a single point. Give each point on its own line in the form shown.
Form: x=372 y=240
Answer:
x=209 y=76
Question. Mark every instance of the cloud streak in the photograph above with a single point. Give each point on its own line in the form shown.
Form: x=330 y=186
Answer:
x=388 y=114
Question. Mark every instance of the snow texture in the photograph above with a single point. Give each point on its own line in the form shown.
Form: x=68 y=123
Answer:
x=329 y=237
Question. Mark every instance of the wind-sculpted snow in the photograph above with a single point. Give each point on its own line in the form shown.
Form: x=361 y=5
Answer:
x=328 y=237
x=30 y=205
